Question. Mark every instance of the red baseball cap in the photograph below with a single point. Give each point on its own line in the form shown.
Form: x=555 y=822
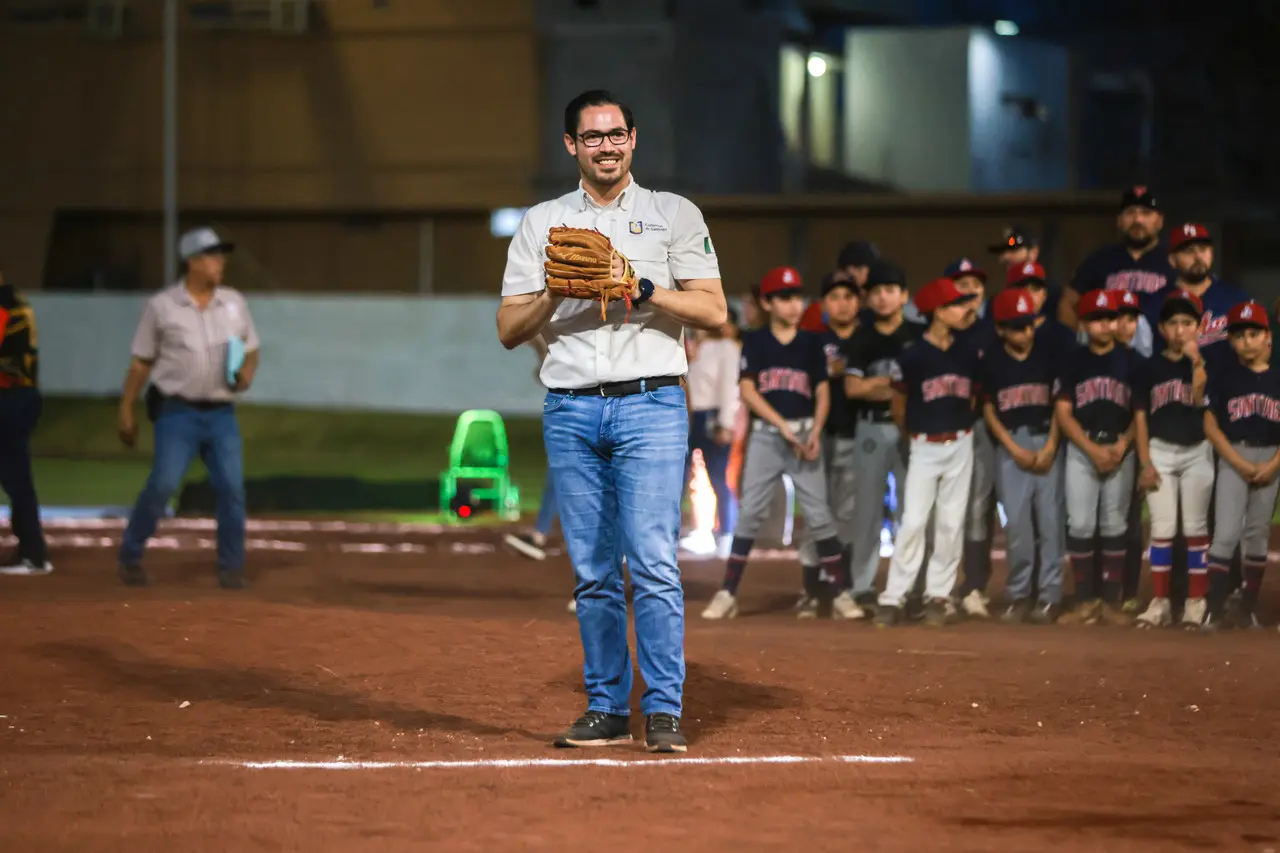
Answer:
x=1029 y=271
x=1248 y=315
x=1188 y=234
x=813 y=319
x=1127 y=302
x=779 y=280
x=1098 y=303
x=1181 y=302
x=940 y=293
x=1014 y=307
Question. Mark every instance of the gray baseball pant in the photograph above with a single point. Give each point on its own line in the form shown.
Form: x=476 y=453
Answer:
x=1032 y=502
x=979 y=513
x=877 y=453
x=768 y=457
x=839 y=460
x=1242 y=515
x=1097 y=503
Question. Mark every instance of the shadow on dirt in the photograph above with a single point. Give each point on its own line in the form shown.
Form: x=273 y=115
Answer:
x=124 y=668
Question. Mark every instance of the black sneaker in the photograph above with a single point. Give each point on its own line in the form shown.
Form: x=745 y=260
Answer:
x=232 y=580
x=887 y=616
x=1213 y=622
x=869 y=602
x=913 y=609
x=596 y=728
x=1239 y=613
x=133 y=575
x=1017 y=612
x=662 y=734
x=1044 y=613
x=939 y=612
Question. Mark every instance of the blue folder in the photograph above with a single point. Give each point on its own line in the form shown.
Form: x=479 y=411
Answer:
x=235 y=359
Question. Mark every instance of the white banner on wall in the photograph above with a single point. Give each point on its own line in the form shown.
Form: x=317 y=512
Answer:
x=389 y=353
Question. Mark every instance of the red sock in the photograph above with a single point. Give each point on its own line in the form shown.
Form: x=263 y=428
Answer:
x=1197 y=571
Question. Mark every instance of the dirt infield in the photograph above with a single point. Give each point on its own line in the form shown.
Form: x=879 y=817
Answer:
x=127 y=716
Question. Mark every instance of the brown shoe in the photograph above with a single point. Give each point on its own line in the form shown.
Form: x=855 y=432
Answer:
x=1111 y=615
x=1084 y=613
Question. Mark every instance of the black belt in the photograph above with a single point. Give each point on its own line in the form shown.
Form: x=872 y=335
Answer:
x=202 y=405
x=1103 y=436
x=876 y=418
x=620 y=389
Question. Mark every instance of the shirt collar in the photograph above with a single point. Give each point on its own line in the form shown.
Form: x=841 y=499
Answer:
x=624 y=201
x=183 y=296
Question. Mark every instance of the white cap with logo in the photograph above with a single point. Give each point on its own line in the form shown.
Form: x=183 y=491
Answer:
x=201 y=241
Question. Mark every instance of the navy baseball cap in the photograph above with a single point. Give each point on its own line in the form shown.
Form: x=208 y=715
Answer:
x=859 y=253
x=964 y=267
x=1014 y=237
x=885 y=272
x=1139 y=196
x=832 y=280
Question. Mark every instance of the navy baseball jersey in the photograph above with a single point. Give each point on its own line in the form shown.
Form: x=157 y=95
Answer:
x=1218 y=299
x=1113 y=268
x=843 y=420
x=1162 y=389
x=1020 y=390
x=873 y=354
x=786 y=375
x=1055 y=341
x=1100 y=388
x=939 y=385
x=1246 y=404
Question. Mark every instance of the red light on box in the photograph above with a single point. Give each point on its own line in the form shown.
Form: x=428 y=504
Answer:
x=464 y=511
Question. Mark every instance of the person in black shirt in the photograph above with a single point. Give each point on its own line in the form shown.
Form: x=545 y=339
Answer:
x=1175 y=459
x=878 y=449
x=933 y=404
x=1243 y=423
x=784 y=385
x=20 y=405
x=1139 y=263
x=840 y=310
x=1094 y=411
x=1016 y=382
x=1052 y=337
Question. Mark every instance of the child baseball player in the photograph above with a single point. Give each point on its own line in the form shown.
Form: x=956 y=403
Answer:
x=877 y=453
x=1175 y=460
x=1017 y=381
x=1243 y=423
x=1094 y=412
x=840 y=313
x=933 y=404
x=1132 y=331
x=784 y=384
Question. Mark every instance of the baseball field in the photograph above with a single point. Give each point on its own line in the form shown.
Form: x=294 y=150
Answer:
x=393 y=683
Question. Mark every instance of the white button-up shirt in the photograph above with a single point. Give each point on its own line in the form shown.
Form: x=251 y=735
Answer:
x=665 y=238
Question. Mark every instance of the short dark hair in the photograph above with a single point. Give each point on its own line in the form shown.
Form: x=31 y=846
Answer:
x=593 y=98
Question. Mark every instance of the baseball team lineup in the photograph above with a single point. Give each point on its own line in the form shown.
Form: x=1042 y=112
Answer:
x=1146 y=381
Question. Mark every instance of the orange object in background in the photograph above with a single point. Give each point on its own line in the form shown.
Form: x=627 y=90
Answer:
x=812 y=319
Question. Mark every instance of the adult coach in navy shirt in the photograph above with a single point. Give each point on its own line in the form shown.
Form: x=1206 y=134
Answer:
x=1138 y=262
x=1191 y=255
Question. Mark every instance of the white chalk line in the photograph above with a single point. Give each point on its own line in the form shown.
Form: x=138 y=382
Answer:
x=530 y=763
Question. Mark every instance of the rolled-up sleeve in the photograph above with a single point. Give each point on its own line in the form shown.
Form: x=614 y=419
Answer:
x=146 y=338
x=692 y=254
x=525 y=257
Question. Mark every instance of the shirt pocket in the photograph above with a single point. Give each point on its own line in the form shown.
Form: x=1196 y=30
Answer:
x=648 y=253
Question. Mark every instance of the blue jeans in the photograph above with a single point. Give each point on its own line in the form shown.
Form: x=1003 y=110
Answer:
x=548 y=508
x=618 y=467
x=182 y=431
x=716 y=458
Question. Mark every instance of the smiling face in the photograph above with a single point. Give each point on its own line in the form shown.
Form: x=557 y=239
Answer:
x=602 y=145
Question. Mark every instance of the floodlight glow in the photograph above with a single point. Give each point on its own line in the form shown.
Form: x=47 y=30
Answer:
x=817 y=66
x=1006 y=28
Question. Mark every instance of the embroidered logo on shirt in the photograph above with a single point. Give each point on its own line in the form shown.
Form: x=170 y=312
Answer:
x=637 y=227
x=706 y=246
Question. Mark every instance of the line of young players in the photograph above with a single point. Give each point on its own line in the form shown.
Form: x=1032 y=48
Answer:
x=989 y=393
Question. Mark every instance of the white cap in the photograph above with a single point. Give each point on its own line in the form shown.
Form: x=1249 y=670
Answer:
x=199 y=241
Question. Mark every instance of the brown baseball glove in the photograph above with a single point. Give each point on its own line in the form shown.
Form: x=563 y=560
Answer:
x=580 y=266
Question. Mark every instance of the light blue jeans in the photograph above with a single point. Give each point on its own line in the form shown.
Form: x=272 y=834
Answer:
x=182 y=431
x=618 y=467
x=548 y=509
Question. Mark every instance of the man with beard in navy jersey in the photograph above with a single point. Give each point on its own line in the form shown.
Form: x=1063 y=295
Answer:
x=1191 y=255
x=1138 y=263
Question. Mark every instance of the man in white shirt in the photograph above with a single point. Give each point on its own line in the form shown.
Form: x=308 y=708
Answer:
x=615 y=420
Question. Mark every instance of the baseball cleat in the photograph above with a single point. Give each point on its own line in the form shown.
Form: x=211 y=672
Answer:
x=887 y=616
x=1240 y=614
x=1193 y=614
x=975 y=605
x=596 y=728
x=1045 y=613
x=1159 y=614
x=723 y=605
x=807 y=607
x=1109 y=614
x=844 y=607
x=662 y=734
x=1131 y=605
x=27 y=567
x=133 y=575
x=939 y=612
x=1084 y=613
x=1017 y=612
x=528 y=544
x=232 y=580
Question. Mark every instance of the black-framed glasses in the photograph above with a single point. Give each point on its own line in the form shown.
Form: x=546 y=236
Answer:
x=617 y=136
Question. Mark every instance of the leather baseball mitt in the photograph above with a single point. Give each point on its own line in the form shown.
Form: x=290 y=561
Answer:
x=580 y=266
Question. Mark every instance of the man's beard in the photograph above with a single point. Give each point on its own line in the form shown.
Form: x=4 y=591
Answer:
x=1196 y=275
x=1136 y=242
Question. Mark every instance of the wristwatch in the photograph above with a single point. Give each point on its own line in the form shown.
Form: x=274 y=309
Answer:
x=646 y=291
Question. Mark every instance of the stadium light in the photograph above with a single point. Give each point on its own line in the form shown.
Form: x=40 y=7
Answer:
x=1006 y=28
x=817 y=66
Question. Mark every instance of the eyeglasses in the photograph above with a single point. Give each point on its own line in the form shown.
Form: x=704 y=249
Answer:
x=617 y=136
